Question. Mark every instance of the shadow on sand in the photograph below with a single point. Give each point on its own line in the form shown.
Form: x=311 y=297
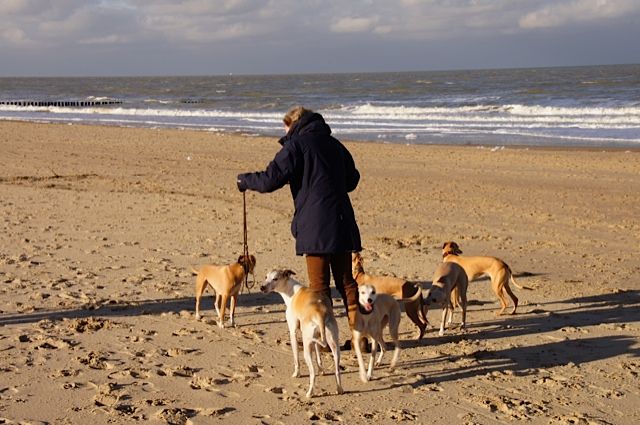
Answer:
x=614 y=309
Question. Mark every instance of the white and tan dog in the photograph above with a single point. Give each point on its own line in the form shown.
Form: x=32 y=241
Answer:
x=409 y=293
x=375 y=312
x=497 y=270
x=226 y=282
x=449 y=286
x=310 y=311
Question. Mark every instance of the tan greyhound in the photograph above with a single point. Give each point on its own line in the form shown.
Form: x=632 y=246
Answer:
x=497 y=270
x=449 y=288
x=375 y=311
x=310 y=311
x=408 y=292
x=226 y=282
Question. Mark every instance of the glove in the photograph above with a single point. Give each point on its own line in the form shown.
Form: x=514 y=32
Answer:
x=241 y=184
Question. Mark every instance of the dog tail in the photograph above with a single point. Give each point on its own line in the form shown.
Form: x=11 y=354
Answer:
x=416 y=296
x=512 y=280
x=319 y=320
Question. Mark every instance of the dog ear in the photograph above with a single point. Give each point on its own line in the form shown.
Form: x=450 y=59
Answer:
x=444 y=245
x=252 y=259
x=241 y=259
x=288 y=273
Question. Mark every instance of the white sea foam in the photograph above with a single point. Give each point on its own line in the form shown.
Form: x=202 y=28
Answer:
x=388 y=120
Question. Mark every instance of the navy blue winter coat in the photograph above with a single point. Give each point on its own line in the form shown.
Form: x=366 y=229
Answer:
x=320 y=172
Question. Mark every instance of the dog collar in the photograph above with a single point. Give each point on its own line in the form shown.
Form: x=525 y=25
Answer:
x=363 y=311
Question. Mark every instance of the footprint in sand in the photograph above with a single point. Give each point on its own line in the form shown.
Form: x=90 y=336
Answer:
x=201 y=382
x=130 y=373
x=64 y=373
x=181 y=371
x=326 y=416
x=177 y=352
x=514 y=408
x=175 y=415
x=208 y=383
x=95 y=361
x=578 y=419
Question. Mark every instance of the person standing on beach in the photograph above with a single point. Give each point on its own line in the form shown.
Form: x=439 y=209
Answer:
x=320 y=172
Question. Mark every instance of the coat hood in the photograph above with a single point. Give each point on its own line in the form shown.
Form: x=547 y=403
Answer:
x=310 y=122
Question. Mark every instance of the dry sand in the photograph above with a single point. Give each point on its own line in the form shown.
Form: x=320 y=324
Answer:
x=100 y=227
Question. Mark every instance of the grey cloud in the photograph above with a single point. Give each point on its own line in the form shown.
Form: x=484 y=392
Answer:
x=208 y=21
x=578 y=11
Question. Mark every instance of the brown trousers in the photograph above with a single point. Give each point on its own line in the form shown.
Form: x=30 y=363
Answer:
x=320 y=268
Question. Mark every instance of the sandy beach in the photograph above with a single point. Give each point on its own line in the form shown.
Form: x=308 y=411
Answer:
x=101 y=226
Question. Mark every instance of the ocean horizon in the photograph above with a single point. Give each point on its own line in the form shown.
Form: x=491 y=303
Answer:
x=593 y=106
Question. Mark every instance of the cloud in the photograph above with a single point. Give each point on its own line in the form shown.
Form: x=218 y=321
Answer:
x=66 y=22
x=564 y=13
x=272 y=29
x=15 y=36
x=353 y=24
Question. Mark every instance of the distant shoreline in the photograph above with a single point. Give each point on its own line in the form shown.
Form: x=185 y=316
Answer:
x=284 y=74
x=487 y=146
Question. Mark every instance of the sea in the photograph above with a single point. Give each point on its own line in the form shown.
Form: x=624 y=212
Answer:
x=594 y=106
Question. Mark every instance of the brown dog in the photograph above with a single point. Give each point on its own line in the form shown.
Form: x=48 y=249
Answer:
x=226 y=282
x=497 y=270
x=402 y=290
x=449 y=288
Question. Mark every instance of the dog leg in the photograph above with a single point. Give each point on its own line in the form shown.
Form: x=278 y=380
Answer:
x=380 y=343
x=307 y=346
x=412 y=310
x=497 y=286
x=394 y=324
x=445 y=310
x=355 y=340
x=216 y=302
x=463 y=306
x=374 y=347
x=232 y=310
x=318 y=359
x=223 y=308
x=512 y=295
x=200 y=287
x=293 y=325
x=333 y=341
x=312 y=373
x=396 y=354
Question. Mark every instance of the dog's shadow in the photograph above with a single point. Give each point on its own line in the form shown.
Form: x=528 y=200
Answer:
x=524 y=361
x=615 y=309
x=142 y=307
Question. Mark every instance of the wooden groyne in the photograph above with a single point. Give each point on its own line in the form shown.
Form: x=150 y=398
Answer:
x=61 y=103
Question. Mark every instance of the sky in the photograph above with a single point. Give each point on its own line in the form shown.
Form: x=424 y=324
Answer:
x=200 y=37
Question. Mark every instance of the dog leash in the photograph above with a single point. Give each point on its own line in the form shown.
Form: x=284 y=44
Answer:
x=245 y=243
